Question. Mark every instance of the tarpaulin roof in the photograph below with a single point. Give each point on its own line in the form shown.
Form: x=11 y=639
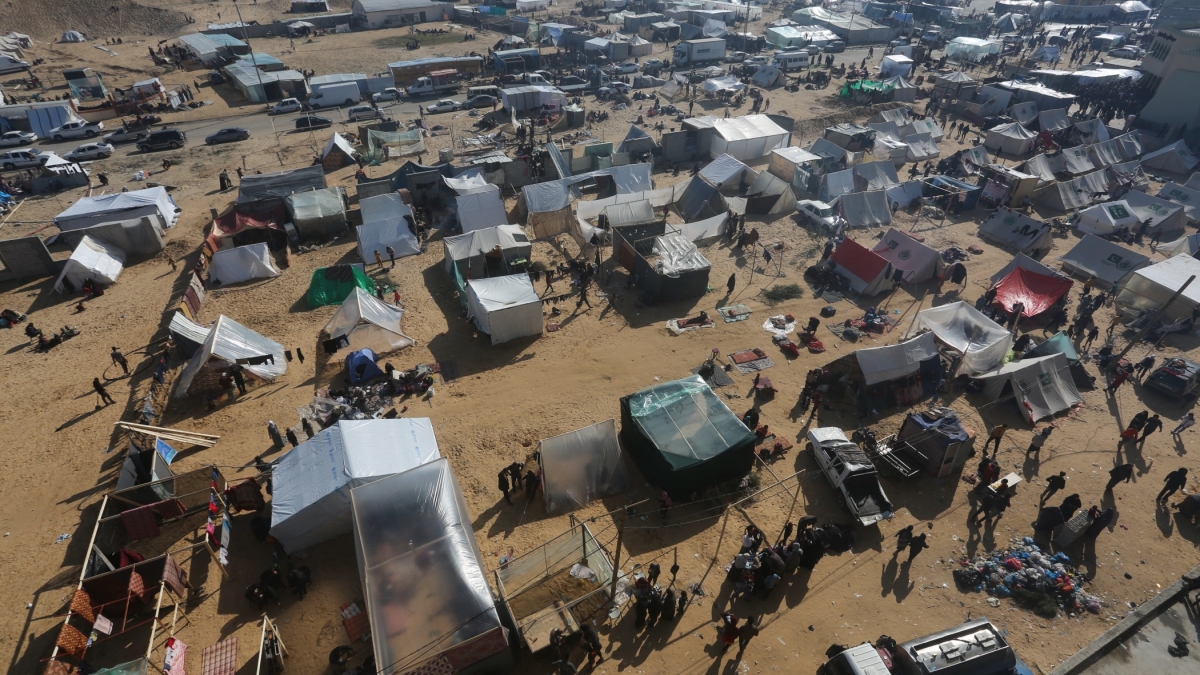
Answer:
x=1075 y=193
x=1090 y=131
x=921 y=147
x=1175 y=158
x=983 y=342
x=904 y=193
x=1103 y=219
x=875 y=176
x=110 y=208
x=1038 y=292
x=637 y=141
x=1026 y=263
x=338 y=142
x=229 y=341
x=555 y=195
x=865 y=269
x=1186 y=197
x=865 y=209
x=747 y=138
x=581 y=466
x=471 y=180
x=243 y=263
x=384 y=225
x=721 y=170
x=901 y=116
x=1024 y=113
x=925 y=126
x=506 y=307
x=92 y=259
x=1151 y=287
x=693 y=200
x=310 y=499
x=918 y=261
x=1011 y=138
x=588 y=209
x=1168 y=217
x=369 y=323
x=331 y=285
x=1102 y=259
x=1042 y=167
x=280 y=184
x=1015 y=230
x=1040 y=386
x=884 y=364
x=836 y=184
x=719 y=84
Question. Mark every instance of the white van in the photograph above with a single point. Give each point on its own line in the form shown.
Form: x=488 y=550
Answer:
x=791 y=61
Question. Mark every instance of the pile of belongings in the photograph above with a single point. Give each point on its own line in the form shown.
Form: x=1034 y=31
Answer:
x=872 y=322
x=369 y=401
x=1023 y=565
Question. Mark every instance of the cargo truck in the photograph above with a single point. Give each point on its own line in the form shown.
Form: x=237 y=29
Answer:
x=437 y=83
x=693 y=53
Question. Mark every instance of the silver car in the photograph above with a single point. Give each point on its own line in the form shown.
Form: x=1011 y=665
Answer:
x=12 y=139
x=90 y=151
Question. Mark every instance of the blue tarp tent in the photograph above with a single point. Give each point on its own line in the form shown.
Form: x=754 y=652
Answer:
x=965 y=194
x=360 y=366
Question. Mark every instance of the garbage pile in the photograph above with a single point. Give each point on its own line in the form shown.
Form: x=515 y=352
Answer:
x=1039 y=581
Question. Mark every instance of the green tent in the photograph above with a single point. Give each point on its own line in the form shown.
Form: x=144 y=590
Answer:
x=332 y=285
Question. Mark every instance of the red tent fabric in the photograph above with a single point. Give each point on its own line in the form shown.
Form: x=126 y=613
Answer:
x=860 y=261
x=1038 y=292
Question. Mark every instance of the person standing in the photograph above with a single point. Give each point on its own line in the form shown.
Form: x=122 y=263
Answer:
x=1145 y=365
x=664 y=505
x=273 y=432
x=748 y=632
x=391 y=256
x=1174 y=480
x=653 y=570
x=291 y=436
x=996 y=435
x=532 y=483
x=654 y=610
x=119 y=358
x=378 y=259
x=583 y=294
x=1152 y=425
x=1185 y=422
x=238 y=378
x=1053 y=485
x=729 y=285
x=104 y=397
x=504 y=486
x=1120 y=473
x=917 y=545
x=729 y=632
x=1038 y=440
x=591 y=642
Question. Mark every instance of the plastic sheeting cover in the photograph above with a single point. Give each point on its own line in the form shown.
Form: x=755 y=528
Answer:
x=505 y=307
x=481 y=209
x=256 y=187
x=369 y=323
x=1026 y=263
x=678 y=254
x=884 y=364
x=1077 y=160
x=92 y=259
x=581 y=466
x=921 y=147
x=722 y=170
x=1053 y=120
x=1037 y=292
x=983 y=342
x=1186 y=245
x=1150 y=287
x=110 y=208
x=229 y=341
x=705 y=229
x=1176 y=158
x=1041 y=386
x=1015 y=230
x=686 y=421
x=243 y=263
x=875 y=175
x=865 y=209
x=556 y=195
x=836 y=184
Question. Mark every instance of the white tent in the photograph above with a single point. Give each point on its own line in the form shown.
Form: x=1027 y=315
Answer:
x=1043 y=167
x=728 y=83
x=1100 y=258
x=505 y=307
x=471 y=180
x=227 y=342
x=1040 y=386
x=310 y=500
x=73 y=36
x=865 y=209
x=903 y=195
x=785 y=161
x=983 y=342
x=888 y=143
x=875 y=176
x=747 y=138
x=368 y=323
x=1186 y=245
x=338 y=144
x=918 y=261
x=1174 y=158
x=724 y=172
x=1149 y=288
x=902 y=89
x=1186 y=197
x=1167 y=219
x=581 y=466
x=1012 y=139
x=1016 y=231
x=1053 y=120
x=895 y=65
x=1105 y=218
x=1077 y=160
x=470 y=251
x=242 y=263
x=971 y=49
x=836 y=184
x=92 y=259
x=925 y=126
x=1024 y=113
x=118 y=206
x=884 y=364
x=1089 y=131
x=481 y=209
x=1026 y=263
x=921 y=147
x=384 y=225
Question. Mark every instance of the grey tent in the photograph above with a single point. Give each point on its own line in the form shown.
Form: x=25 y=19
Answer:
x=1040 y=386
x=698 y=200
x=1100 y=258
x=1012 y=139
x=280 y=184
x=1024 y=113
x=73 y=36
x=1017 y=231
x=1053 y=120
x=865 y=209
x=487 y=251
x=875 y=176
x=1077 y=161
x=836 y=184
x=771 y=195
x=317 y=214
x=1167 y=218
x=1075 y=193
x=1186 y=197
x=1174 y=158
x=637 y=141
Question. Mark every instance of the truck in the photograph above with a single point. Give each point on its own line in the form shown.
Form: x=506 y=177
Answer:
x=691 y=53
x=76 y=129
x=850 y=471
x=335 y=94
x=974 y=648
x=435 y=84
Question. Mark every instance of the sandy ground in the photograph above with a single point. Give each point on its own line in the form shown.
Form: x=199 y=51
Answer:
x=61 y=459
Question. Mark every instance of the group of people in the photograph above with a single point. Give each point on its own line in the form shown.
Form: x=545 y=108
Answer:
x=757 y=569
x=510 y=480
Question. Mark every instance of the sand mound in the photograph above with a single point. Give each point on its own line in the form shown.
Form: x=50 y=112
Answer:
x=93 y=18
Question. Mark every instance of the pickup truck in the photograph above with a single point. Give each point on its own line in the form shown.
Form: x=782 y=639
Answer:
x=434 y=84
x=974 y=648
x=78 y=129
x=127 y=134
x=851 y=474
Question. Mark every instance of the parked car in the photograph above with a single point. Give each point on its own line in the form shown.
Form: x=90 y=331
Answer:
x=650 y=65
x=851 y=473
x=363 y=112
x=229 y=135
x=819 y=214
x=1126 y=52
x=735 y=57
x=77 y=129
x=126 y=134
x=759 y=60
x=444 y=105
x=11 y=139
x=287 y=105
x=573 y=83
x=22 y=159
x=900 y=42
x=835 y=47
x=90 y=151
x=480 y=101
x=613 y=87
x=1178 y=377
x=313 y=122
x=625 y=68
x=168 y=139
x=389 y=94
x=976 y=647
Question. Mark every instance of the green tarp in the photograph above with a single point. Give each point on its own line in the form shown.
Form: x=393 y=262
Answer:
x=858 y=86
x=332 y=285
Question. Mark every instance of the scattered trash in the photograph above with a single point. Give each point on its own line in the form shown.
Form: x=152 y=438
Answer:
x=1128 y=575
x=61 y=538
x=994 y=602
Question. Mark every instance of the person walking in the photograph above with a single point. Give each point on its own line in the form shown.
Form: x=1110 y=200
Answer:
x=1120 y=473
x=917 y=545
x=1185 y=422
x=1118 y=381
x=729 y=285
x=654 y=610
x=1053 y=485
x=1173 y=482
x=748 y=632
x=996 y=435
x=1144 y=365
x=1152 y=425
x=119 y=358
x=532 y=483
x=903 y=539
x=238 y=378
x=273 y=432
x=591 y=642
x=104 y=397
x=505 y=486
x=1038 y=440
x=307 y=426
x=664 y=505
x=583 y=295
x=1069 y=506
x=729 y=631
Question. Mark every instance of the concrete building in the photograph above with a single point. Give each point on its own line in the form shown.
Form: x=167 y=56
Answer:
x=1173 y=66
x=373 y=14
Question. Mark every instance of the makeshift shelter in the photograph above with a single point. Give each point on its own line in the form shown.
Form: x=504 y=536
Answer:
x=787 y=162
x=481 y=209
x=506 y=308
x=719 y=85
x=1040 y=387
x=888 y=144
x=1043 y=167
x=905 y=195
x=921 y=148
x=279 y=184
x=836 y=184
x=73 y=36
x=1104 y=219
x=1037 y=292
x=982 y=342
x=489 y=252
x=874 y=176
x=900 y=374
x=94 y=260
x=971 y=49
x=938 y=435
x=1059 y=343
x=669 y=266
x=895 y=65
x=317 y=214
x=582 y=466
x=1101 y=258
x=952 y=84
x=747 y=138
x=771 y=195
x=1186 y=197
x=637 y=142
x=865 y=209
x=1174 y=158
x=768 y=76
x=387 y=221
x=1046 y=54
x=868 y=272
x=120 y=206
x=1075 y=193
x=902 y=89
x=1026 y=263
x=364 y=321
x=725 y=173
x=230 y=342
x=1076 y=160
x=917 y=261
x=427 y=597
x=1186 y=245
x=683 y=438
x=332 y=285
x=337 y=153
x=1149 y=288
x=1017 y=231
x=1089 y=131
x=361 y=366
x=1053 y=120
x=188 y=335
x=1012 y=139
x=242 y=263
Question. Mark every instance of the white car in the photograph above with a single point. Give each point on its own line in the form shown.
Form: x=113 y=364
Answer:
x=10 y=139
x=652 y=65
x=79 y=129
x=90 y=151
x=735 y=57
x=1126 y=52
x=625 y=68
x=363 y=112
x=614 y=87
x=389 y=94
x=287 y=105
x=444 y=105
x=819 y=213
x=22 y=159
x=756 y=61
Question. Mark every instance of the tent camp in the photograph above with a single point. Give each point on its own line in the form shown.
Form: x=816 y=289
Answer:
x=893 y=362
x=1037 y=292
x=786 y=162
x=505 y=308
x=73 y=36
x=836 y=184
x=332 y=285
x=310 y=500
x=895 y=65
x=769 y=194
x=725 y=173
x=921 y=148
x=1011 y=139
x=983 y=342
x=1186 y=197
x=1016 y=231
x=1040 y=386
x=386 y=222
x=1026 y=114
x=637 y=142
x=1174 y=158
x=1026 y=263
x=1149 y=288
x=481 y=209
x=1104 y=219
x=904 y=195
x=1101 y=258
x=118 y=206
x=1075 y=193
x=865 y=209
x=230 y=342
x=1167 y=219
x=361 y=366
x=874 y=176
x=366 y=322
x=581 y=466
x=888 y=143
x=427 y=596
x=241 y=263
x=902 y=89
x=1077 y=160
x=683 y=438
x=747 y=138
x=93 y=259
x=487 y=252
x=337 y=153
x=868 y=272
x=917 y=261
x=1186 y=245
x=925 y=126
